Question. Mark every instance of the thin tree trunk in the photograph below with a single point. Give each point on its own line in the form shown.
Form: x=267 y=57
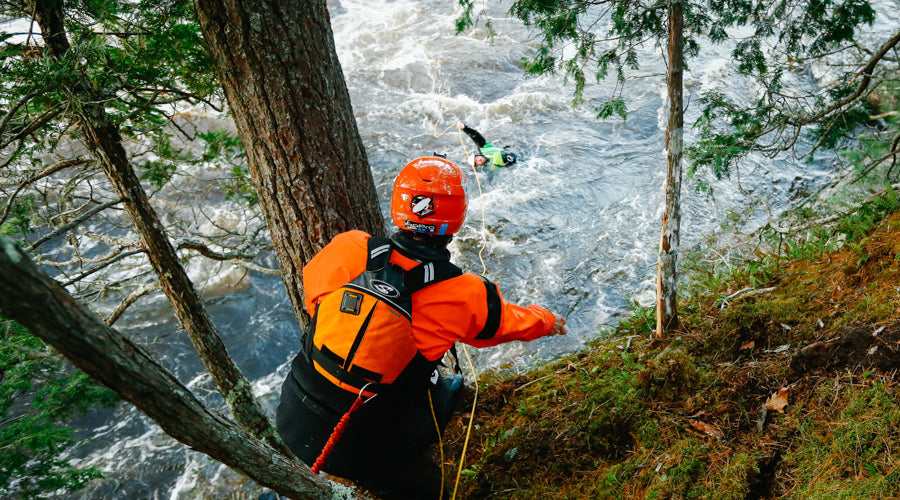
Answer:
x=103 y=137
x=41 y=305
x=286 y=90
x=667 y=286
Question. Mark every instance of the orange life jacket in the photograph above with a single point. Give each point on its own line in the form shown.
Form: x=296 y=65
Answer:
x=362 y=332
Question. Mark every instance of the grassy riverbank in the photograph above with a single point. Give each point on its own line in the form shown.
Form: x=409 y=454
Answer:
x=781 y=383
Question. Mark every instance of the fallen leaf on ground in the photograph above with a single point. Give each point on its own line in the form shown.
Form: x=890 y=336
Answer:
x=709 y=430
x=778 y=400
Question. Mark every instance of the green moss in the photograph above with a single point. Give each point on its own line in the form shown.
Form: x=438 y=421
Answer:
x=670 y=375
x=850 y=455
x=730 y=479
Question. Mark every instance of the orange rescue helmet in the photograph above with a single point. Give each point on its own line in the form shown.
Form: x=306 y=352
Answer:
x=430 y=196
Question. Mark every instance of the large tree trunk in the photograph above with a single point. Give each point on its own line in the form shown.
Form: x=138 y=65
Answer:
x=37 y=302
x=104 y=139
x=286 y=91
x=667 y=285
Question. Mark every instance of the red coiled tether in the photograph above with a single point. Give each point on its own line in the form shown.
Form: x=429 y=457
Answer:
x=338 y=431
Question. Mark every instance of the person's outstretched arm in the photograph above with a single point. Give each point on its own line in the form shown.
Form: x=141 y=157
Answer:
x=471 y=309
x=474 y=134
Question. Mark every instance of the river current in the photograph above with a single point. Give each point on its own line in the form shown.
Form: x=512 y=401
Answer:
x=574 y=226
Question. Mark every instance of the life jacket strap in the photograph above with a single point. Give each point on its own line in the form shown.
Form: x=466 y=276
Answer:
x=418 y=277
x=379 y=253
x=357 y=377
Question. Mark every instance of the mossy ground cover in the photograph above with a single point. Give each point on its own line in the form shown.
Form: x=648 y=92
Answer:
x=698 y=414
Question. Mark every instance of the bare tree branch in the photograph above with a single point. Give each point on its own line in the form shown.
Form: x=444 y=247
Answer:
x=819 y=222
x=52 y=169
x=209 y=253
x=236 y=256
x=104 y=264
x=15 y=109
x=30 y=354
x=34 y=125
x=866 y=73
x=131 y=299
x=259 y=269
x=73 y=223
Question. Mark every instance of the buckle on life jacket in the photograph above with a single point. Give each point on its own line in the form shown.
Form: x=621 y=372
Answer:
x=353 y=379
x=368 y=375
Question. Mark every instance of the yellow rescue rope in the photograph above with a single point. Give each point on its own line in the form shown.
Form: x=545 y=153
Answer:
x=437 y=427
x=462 y=458
x=480 y=193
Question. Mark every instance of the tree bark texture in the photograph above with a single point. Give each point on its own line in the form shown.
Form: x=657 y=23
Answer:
x=667 y=286
x=104 y=138
x=41 y=305
x=286 y=90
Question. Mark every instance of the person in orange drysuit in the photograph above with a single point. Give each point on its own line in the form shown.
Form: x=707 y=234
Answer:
x=345 y=357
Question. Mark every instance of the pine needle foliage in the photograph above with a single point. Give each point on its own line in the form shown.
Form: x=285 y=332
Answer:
x=39 y=393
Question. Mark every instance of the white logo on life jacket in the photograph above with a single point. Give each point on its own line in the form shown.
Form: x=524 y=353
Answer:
x=422 y=205
x=385 y=289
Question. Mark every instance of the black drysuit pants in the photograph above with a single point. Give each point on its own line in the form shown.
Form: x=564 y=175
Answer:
x=384 y=448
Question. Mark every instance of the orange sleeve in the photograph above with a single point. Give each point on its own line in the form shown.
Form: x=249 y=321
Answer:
x=459 y=309
x=342 y=259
